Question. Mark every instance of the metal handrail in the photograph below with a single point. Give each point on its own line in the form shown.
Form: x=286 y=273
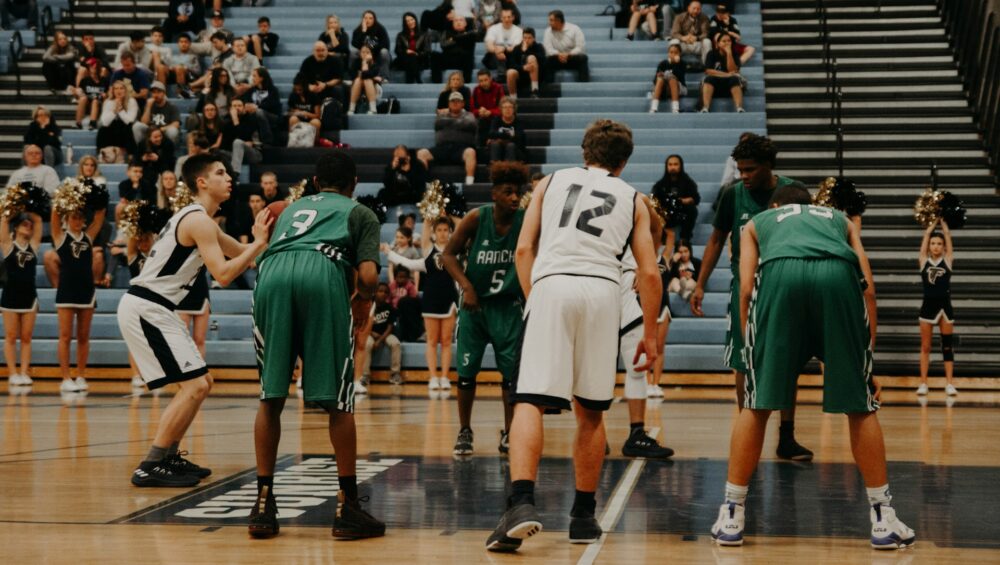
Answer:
x=16 y=51
x=47 y=27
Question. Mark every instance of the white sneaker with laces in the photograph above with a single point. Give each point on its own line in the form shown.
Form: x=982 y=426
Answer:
x=137 y=382
x=25 y=380
x=359 y=387
x=888 y=532
x=14 y=380
x=433 y=384
x=444 y=383
x=650 y=393
x=950 y=390
x=728 y=528
x=81 y=383
x=922 y=389
x=69 y=385
x=658 y=391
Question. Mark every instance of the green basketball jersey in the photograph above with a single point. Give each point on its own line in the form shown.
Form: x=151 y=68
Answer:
x=803 y=232
x=744 y=210
x=490 y=260
x=318 y=222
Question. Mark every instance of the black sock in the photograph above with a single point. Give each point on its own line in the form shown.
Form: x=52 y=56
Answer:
x=349 y=486
x=786 y=431
x=263 y=481
x=584 y=504
x=635 y=427
x=522 y=492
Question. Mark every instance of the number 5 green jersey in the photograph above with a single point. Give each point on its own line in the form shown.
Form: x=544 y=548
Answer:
x=490 y=260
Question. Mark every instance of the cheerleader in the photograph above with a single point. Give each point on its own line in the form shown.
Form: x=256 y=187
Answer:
x=135 y=256
x=936 y=254
x=439 y=303
x=76 y=295
x=20 y=239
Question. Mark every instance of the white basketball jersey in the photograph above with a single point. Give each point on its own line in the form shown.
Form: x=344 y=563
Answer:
x=171 y=268
x=587 y=220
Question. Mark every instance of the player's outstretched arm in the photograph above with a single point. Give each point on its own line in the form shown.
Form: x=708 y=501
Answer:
x=713 y=249
x=527 y=241
x=854 y=238
x=457 y=245
x=749 y=257
x=200 y=230
x=647 y=276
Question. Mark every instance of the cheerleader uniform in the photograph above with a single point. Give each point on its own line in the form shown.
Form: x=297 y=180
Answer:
x=19 y=295
x=936 y=278
x=196 y=301
x=76 y=275
x=440 y=298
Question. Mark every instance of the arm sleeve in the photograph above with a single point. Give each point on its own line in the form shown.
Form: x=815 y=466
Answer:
x=724 y=215
x=364 y=229
x=108 y=112
x=416 y=265
x=550 y=48
x=579 y=42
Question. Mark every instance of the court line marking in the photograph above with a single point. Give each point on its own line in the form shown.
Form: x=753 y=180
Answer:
x=616 y=506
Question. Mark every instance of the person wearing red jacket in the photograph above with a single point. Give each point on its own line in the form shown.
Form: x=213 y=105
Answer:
x=486 y=103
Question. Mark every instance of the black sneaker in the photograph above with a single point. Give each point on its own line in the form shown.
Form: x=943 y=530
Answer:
x=463 y=445
x=639 y=444
x=535 y=94
x=791 y=450
x=264 y=516
x=161 y=474
x=352 y=522
x=183 y=466
x=504 y=446
x=584 y=529
x=517 y=524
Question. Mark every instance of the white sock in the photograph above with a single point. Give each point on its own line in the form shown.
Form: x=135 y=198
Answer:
x=654 y=105
x=737 y=494
x=879 y=495
x=534 y=85
x=470 y=180
x=513 y=96
x=675 y=106
x=351 y=107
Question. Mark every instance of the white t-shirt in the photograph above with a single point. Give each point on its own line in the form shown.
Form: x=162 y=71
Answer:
x=506 y=38
x=42 y=175
x=464 y=8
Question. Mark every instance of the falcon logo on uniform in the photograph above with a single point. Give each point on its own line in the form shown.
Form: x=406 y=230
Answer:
x=23 y=257
x=78 y=247
x=437 y=261
x=933 y=273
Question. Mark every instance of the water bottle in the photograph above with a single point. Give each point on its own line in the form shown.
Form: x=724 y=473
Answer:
x=69 y=153
x=213 y=330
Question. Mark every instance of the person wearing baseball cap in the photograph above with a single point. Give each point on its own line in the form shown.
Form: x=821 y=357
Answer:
x=454 y=138
x=183 y=16
x=158 y=113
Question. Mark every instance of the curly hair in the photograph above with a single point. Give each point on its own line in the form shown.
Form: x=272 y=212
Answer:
x=757 y=148
x=504 y=173
x=607 y=144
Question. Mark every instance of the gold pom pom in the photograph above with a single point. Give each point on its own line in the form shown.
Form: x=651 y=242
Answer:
x=70 y=197
x=433 y=203
x=823 y=196
x=526 y=199
x=296 y=191
x=13 y=201
x=128 y=224
x=927 y=208
x=182 y=197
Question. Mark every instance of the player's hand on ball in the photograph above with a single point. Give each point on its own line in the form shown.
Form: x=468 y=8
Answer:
x=262 y=226
x=696 y=297
x=647 y=349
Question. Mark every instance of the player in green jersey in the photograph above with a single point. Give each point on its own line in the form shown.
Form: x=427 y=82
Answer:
x=492 y=301
x=315 y=282
x=806 y=290
x=755 y=157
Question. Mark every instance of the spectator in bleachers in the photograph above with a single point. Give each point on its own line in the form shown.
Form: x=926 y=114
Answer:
x=373 y=34
x=564 y=48
x=485 y=103
x=207 y=124
x=166 y=189
x=269 y=188
x=403 y=246
x=500 y=41
x=184 y=16
x=12 y=10
x=367 y=80
x=691 y=29
x=186 y=67
x=20 y=239
x=219 y=52
x=413 y=49
x=506 y=138
x=490 y=12
x=723 y=21
x=323 y=75
x=157 y=153
x=454 y=139
x=218 y=91
x=90 y=94
x=669 y=79
x=88 y=52
x=676 y=181
x=136 y=46
x=45 y=133
x=203 y=44
x=524 y=64
x=643 y=10
x=458 y=50
x=138 y=80
x=302 y=107
x=456 y=83
x=383 y=322
x=336 y=39
x=35 y=171
x=731 y=174
x=136 y=186
x=243 y=136
x=115 y=140
x=438 y=19
x=684 y=269
x=264 y=43
x=263 y=98
x=87 y=168
x=159 y=113
x=162 y=60
x=403 y=296
x=722 y=73
x=240 y=66
x=465 y=9
x=59 y=64
x=669 y=9
x=404 y=179
x=197 y=144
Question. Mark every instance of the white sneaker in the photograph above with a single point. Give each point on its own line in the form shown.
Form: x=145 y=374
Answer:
x=444 y=383
x=950 y=390
x=650 y=393
x=433 y=384
x=25 y=380
x=359 y=387
x=922 y=390
x=657 y=391
x=728 y=528
x=137 y=382
x=69 y=385
x=81 y=383
x=18 y=380
x=888 y=532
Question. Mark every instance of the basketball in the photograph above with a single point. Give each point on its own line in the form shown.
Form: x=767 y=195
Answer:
x=274 y=210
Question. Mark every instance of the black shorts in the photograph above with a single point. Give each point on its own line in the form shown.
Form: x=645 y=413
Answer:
x=934 y=308
x=722 y=83
x=449 y=153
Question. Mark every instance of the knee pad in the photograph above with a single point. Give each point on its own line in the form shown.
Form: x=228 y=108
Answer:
x=466 y=383
x=947 y=351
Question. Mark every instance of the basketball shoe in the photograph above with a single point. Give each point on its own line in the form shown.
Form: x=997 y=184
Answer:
x=161 y=474
x=264 y=516
x=728 y=528
x=463 y=445
x=181 y=465
x=888 y=532
x=352 y=522
x=517 y=524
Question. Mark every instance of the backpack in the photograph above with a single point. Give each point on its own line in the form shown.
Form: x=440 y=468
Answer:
x=390 y=105
x=302 y=135
x=332 y=115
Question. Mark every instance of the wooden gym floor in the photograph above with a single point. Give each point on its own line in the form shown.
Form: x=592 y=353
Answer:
x=65 y=463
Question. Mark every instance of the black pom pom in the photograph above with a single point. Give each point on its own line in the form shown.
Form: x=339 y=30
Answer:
x=39 y=202
x=97 y=198
x=376 y=205
x=152 y=219
x=455 y=204
x=952 y=210
x=847 y=198
x=673 y=210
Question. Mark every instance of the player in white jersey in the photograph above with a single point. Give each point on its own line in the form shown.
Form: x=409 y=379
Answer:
x=160 y=343
x=576 y=229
